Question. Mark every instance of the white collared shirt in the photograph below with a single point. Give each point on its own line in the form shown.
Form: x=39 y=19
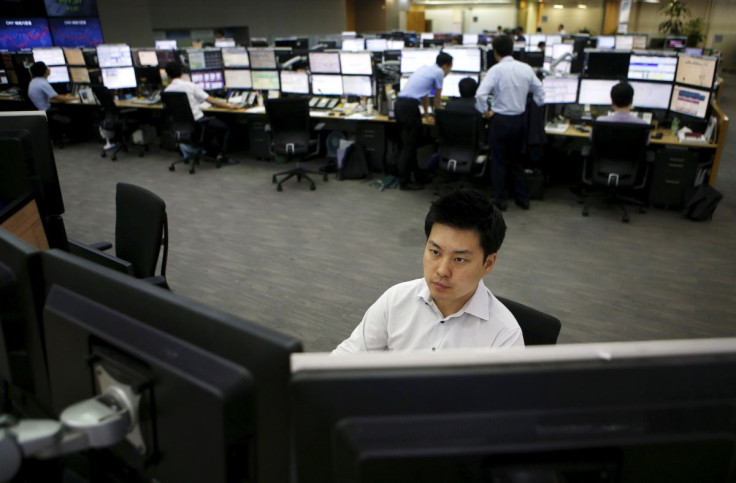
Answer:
x=509 y=81
x=406 y=318
x=195 y=94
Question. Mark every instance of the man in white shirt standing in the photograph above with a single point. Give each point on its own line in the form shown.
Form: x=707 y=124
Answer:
x=450 y=307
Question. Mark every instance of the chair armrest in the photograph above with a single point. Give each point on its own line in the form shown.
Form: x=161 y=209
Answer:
x=157 y=280
x=586 y=150
x=101 y=246
x=267 y=128
x=319 y=126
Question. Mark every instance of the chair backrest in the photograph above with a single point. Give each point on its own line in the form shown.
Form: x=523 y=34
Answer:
x=176 y=105
x=140 y=229
x=289 y=121
x=105 y=98
x=460 y=139
x=620 y=148
x=537 y=327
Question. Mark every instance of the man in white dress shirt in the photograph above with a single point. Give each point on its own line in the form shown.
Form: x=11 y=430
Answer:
x=450 y=307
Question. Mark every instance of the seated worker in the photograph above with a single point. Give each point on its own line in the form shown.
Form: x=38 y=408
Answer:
x=196 y=95
x=622 y=100
x=466 y=102
x=450 y=307
x=40 y=91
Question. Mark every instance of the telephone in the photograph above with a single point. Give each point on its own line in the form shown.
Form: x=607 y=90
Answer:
x=242 y=98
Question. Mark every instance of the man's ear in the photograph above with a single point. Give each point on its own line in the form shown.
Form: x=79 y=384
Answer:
x=489 y=263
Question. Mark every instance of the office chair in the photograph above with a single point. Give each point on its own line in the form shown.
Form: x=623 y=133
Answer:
x=141 y=228
x=537 y=327
x=461 y=138
x=289 y=127
x=189 y=134
x=117 y=124
x=616 y=162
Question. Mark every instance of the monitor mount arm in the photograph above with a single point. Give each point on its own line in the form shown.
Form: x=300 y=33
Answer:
x=557 y=62
x=294 y=60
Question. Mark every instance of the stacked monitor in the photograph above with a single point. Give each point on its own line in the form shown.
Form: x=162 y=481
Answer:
x=116 y=65
x=237 y=68
x=206 y=68
x=264 y=73
x=694 y=80
x=466 y=62
x=54 y=59
x=78 y=72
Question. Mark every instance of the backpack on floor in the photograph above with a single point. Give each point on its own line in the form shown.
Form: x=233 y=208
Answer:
x=702 y=203
x=354 y=163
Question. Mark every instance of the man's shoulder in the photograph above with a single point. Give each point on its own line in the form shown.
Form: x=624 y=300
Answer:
x=408 y=287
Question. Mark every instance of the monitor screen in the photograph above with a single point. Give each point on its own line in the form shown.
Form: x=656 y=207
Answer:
x=690 y=101
x=396 y=44
x=696 y=51
x=223 y=43
x=262 y=58
x=76 y=32
x=358 y=63
x=652 y=67
x=119 y=78
x=606 y=42
x=560 y=90
x=464 y=59
x=74 y=56
x=114 y=55
x=49 y=55
x=651 y=95
x=294 y=82
x=639 y=42
x=624 y=42
x=67 y=8
x=559 y=50
x=235 y=57
x=324 y=62
x=596 y=92
x=470 y=39
x=59 y=74
x=3 y=77
x=208 y=80
x=265 y=80
x=607 y=65
x=696 y=71
x=24 y=34
x=533 y=41
x=165 y=57
x=327 y=85
x=213 y=59
x=376 y=45
x=554 y=40
x=353 y=44
x=165 y=45
x=534 y=59
x=238 y=79
x=196 y=59
x=412 y=59
x=451 y=85
x=357 y=85
x=79 y=75
x=146 y=58
x=674 y=42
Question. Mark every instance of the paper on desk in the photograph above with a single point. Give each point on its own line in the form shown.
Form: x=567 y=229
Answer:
x=257 y=110
x=359 y=115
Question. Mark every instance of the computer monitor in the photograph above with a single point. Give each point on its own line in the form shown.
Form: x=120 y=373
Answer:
x=76 y=32
x=262 y=58
x=119 y=78
x=464 y=59
x=145 y=58
x=265 y=80
x=696 y=71
x=652 y=67
x=165 y=45
x=165 y=57
x=324 y=62
x=559 y=50
x=196 y=59
x=356 y=63
x=79 y=75
x=208 y=80
x=694 y=51
x=553 y=40
x=429 y=43
x=470 y=39
x=675 y=42
x=451 y=84
x=651 y=95
x=238 y=79
x=534 y=59
x=412 y=59
x=357 y=85
x=295 y=43
x=59 y=74
x=74 y=56
x=560 y=90
x=376 y=45
x=624 y=42
x=690 y=101
x=326 y=85
x=595 y=92
x=353 y=44
x=606 y=42
x=532 y=41
x=186 y=434
x=224 y=43
x=628 y=411
x=49 y=55
x=114 y=55
x=606 y=65
x=20 y=34
x=294 y=82
x=213 y=59
x=640 y=41
x=235 y=57
x=396 y=44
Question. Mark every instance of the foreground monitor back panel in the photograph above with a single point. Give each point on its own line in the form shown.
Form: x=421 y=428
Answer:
x=263 y=352
x=594 y=418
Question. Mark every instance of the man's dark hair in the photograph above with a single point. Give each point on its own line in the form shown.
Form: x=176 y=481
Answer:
x=542 y=45
x=622 y=94
x=443 y=59
x=560 y=27
x=468 y=87
x=468 y=209
x=38 y=69
x=173 y=70
x=499 y=27
x=503 y=45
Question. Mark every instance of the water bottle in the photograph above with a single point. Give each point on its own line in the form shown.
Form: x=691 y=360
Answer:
x=675 y=126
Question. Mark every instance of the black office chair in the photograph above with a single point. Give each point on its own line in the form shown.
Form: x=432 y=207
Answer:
x=617 y=163
x=462 y=142
x=189 y=134
x=291 y=136
x=537 y=327
x=141 y=228
x=117 y=124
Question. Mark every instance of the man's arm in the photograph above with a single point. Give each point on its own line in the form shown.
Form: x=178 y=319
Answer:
x=63 y=98
x=371 y=334
x=219 y=103
x=438 y=98
x=537 y=90
x=425 y=106
x=481 y=95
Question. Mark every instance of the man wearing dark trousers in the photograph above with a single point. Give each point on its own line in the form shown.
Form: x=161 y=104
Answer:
x=406 y=110
x=509 y=81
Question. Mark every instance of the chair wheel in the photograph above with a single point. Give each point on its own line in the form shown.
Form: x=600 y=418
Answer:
x=642 y=209
x=312 y=187
x=191 y=171
x=172 y=168
x=273 y=180
x=114 y=158
x=324 y=178
x=585 y=212
x=103 y=154
x=278 y=188
x=140 y=155
x=625 y=219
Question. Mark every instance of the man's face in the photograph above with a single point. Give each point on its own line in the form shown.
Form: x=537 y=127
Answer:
x=453 y=266
x=446 y=69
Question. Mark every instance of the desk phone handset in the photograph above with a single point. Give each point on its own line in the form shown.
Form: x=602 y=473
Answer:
x=244 y=98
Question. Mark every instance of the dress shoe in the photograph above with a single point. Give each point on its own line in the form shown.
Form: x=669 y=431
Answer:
x=411 y=187
x=524 y=205
x=501 y=205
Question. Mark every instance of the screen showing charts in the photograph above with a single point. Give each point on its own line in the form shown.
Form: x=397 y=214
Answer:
x=76 y=32
x=651 y=95
x=208 y=79
x=324 y=62
x=652 y=67
x=465 y=60
x=238 y=79
x=24 y=34
x=262 y=58
x=235 y=57
x=294 y=82
x=79 y=75
x=470 y=39
x=266 y=80
x=412 y=59
x=697 y=71
x=624 y=42
x=353 y=44
x=606 y=42
x=49 y=56
x=165 y=45
x=119 y=77
x=560 y=90
x=148 y=58
x=376 y=45
x=74 y=56
x=595 y=92
x=224 y=43
x=114 y=55
x=451 y=85
x=326 y=85
x=358 y=63
x=690 y=101
x=196 y=59
x=59 y=74
x=357 y=85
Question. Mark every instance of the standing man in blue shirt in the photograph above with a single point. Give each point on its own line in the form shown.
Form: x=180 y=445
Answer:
x=406 y=110
x=509 y=81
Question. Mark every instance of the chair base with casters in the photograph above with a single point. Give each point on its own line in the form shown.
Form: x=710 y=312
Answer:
x=299 y=172
x=611 y=197
x=192 y=155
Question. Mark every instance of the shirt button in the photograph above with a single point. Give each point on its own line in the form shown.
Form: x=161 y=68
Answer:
x=442 y=321
x=434 y=348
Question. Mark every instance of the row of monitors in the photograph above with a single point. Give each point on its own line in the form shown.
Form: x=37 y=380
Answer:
x=685 y=69
x=25 y=34
x=680 y=99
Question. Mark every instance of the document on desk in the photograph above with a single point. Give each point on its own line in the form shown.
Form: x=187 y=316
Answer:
x=316 y=113
x=360 y=115
x=556 y=127
x=257 y=110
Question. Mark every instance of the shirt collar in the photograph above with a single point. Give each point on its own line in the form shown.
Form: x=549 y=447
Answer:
x=477 y=305
x=508 y=58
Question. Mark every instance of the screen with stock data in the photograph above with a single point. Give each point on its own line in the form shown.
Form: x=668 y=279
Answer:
x=396 y=44
x=119 y=77
x=265 y=80
x=353 y=44
x=262 y=58
x=412 y=59
x=470 y=39
x=652 y=67
x=49 y=55
x=165 y=44
x=560 y=90
x=356 y=63
x=235 y=57
x=114 y=55
x=238 y=79
x=651 y=95
x=79 y=75
x=596 y=92
x=606 y=42
x=324 y=62
x=697 y=71
x=208 y=79
x=59 y=74
x=76 y=32
x=464 y=59
x=624 y=42
x=357 y=85
x=451 y=85
x=376 y=45
x=690 y=101
x=24 y=34
x=326 y=85
x=147 y=58
x=294 y=82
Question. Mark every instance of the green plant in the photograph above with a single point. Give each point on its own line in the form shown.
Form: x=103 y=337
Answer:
x=676 y=12
x=694 y=29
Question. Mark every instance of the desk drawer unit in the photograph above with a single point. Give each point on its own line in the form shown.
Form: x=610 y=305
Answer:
x=372 y=136
x=674 y=171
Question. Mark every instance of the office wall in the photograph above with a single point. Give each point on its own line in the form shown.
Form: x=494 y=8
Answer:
x=574 y=19
x=127 y=22
x=370 y=15
x=443 y=19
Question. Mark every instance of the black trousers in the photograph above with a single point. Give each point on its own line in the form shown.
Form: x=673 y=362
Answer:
x=407 y=115
x=216 y=132
x=505 y=137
